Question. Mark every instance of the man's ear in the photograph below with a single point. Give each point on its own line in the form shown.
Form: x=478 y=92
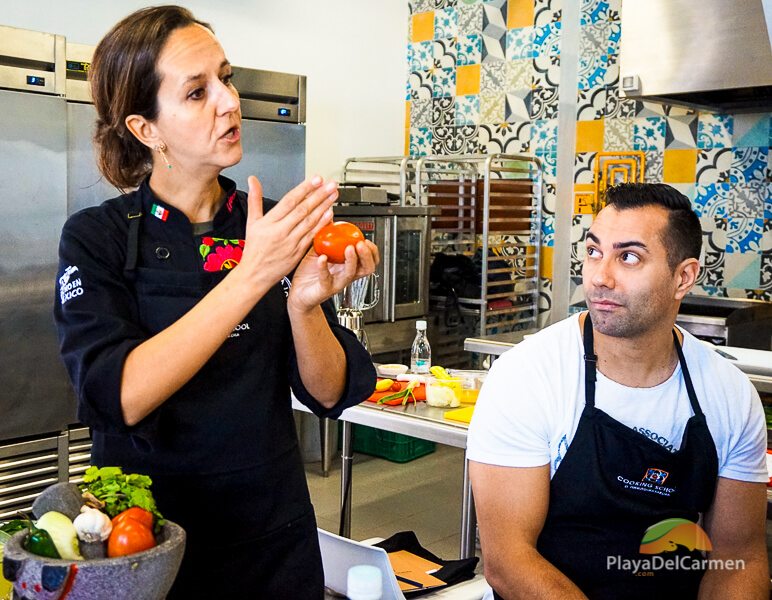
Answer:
x=686 y=273
x=143 y=130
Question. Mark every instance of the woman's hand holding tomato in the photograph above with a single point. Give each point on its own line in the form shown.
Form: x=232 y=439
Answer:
x=333 y=239
x=317 y=278
x=277 y=241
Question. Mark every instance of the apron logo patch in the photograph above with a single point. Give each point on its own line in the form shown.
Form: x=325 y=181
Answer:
x=69 y=287
x=657 y=476
x=673 y=545
x=667 y=535
x=159 y=212
x=651 y=483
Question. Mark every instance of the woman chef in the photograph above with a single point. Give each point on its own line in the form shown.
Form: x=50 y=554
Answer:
x=179 y=326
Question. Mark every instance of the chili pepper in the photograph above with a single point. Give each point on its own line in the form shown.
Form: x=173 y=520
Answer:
x=405 y=395
x=39 y=542
x=12 y=527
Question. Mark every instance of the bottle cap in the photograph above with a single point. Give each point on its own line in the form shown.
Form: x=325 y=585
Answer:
x=420 y=325
x=364 y=583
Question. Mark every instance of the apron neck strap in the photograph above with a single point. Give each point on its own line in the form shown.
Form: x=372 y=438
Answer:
x=687 y=378
x=590 y=361
x=134 y=214
x=590 y=366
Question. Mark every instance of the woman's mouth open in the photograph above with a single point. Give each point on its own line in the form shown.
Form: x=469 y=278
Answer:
x=232 y=135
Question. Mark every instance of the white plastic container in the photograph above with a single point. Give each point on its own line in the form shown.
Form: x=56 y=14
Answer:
x=364 y=582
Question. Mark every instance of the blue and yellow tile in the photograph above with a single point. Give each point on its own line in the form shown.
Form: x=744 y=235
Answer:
x=517 y=106
x=546 y=39
x=469 y=50
x=422 y=26
x=445 y=23
x=649 y=133
x=743 y=234
x=468 y=110
x=444 y=111
x=519 y=43
x=617 y=134
x=444 y=53
x=420 y=141
x=681 y=132
x=421 y=85
x=518 y=74
x=544 y=103
x=545 y=71
x=714 y=130
x=749 y=164
x=591 y=104
x=593 y=11
x=470 y=17
x=520 y=13
x=547 y=11
x=444 y=82
x=421 y=56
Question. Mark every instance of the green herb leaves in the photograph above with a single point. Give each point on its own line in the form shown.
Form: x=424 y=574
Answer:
x=119 y=491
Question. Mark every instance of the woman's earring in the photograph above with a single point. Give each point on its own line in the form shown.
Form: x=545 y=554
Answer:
x=161 y=148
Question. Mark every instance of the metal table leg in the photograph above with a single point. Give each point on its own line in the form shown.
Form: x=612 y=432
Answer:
x=346 y=459
x=468 y=517
x=325 y=428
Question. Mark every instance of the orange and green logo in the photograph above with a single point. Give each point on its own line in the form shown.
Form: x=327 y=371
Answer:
x=667 y=535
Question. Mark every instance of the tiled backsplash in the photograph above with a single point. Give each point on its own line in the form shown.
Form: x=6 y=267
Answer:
x=483 y=77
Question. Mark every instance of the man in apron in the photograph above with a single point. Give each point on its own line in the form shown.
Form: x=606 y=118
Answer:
x=613 y=453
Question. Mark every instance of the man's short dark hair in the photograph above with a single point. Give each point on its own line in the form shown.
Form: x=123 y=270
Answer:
x=682 y=237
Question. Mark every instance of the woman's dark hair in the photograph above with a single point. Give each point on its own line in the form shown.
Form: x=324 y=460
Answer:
x=682 y=237
x=124 y=81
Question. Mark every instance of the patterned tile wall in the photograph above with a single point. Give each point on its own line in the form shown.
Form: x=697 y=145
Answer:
x=483 y=77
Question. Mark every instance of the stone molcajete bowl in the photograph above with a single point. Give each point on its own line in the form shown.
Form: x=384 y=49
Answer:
x=145 y=575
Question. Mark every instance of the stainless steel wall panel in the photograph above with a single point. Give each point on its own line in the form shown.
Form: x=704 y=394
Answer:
x=85 y=184
x=275 y=153
x=35 y=395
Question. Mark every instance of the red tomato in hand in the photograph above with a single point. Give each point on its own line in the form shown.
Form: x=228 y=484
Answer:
x=332 y=240
x=138 y=514
x=129 y=537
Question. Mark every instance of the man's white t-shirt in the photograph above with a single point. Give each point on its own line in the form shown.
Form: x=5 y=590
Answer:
x=529 y=408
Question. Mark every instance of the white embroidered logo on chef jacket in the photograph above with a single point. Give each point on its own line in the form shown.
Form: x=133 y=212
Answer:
x=69 y=288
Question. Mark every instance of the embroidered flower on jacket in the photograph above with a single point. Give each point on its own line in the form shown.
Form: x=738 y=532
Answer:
x=220 y=254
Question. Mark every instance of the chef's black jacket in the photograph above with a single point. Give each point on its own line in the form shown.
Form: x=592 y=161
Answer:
x=229 y=431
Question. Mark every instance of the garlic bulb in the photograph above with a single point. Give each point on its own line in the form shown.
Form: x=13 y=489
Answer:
x=92 y=525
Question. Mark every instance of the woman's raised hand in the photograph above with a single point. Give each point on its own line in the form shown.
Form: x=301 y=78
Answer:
x=317 y=279
x=277 y=241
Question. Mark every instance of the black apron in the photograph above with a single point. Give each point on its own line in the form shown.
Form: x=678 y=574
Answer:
x=251 y=533
x=612 y=485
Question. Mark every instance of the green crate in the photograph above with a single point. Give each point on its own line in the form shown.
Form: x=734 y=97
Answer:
x=395 y=447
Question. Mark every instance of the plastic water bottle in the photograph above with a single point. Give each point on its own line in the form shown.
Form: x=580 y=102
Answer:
x=364 y=582
x=421 y=352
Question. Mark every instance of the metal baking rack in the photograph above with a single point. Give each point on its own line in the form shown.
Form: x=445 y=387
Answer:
x=490 y=206
x=396 y=174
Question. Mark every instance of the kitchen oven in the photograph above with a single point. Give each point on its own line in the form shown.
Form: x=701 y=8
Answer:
x=402 y=236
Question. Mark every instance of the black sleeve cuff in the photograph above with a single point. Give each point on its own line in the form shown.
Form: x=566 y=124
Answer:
x=360 y=372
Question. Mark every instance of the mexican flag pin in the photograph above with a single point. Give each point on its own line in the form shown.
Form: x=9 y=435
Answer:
x=159 y=212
